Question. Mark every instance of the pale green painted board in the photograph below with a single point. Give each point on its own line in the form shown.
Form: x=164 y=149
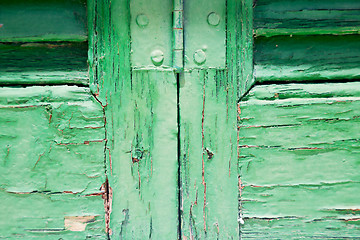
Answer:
x=208 y=137
x=52 y=143
x=300 y=161
x=141 y=129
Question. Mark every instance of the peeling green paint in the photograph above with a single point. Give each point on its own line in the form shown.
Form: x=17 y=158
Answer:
x=52 y=141
x=157 y=148
x=299 y=161
x=208 y=137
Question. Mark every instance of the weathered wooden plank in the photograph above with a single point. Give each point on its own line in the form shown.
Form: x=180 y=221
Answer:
x=43 y=20
x=304 y=58
x=52 y=162
x=141 y=130
x=148 y=165
x=239 y=44
x=40 y=63
x=306 y=17
x=273 y=228
x=299 y=148
x=208 y=136
x=49 y=215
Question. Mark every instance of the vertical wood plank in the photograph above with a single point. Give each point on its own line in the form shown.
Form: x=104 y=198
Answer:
x=208 y=138
x=240 y=44
x=141 y=131
x=240 y=65
x=147 y=179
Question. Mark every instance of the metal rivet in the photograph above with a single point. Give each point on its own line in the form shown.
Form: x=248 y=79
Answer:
x=157 y=57
x=199 y=57
x=213 y=18
x=142 y=20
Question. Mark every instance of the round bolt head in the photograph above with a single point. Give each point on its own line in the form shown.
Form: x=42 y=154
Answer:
x=142 y=20
x=199 y=57
x=157 y=57
x=213 y=19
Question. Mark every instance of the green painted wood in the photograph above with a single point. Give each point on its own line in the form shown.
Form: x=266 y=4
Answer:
x=208 y=134
x=239 y=44
x=40 y=63
x=148 y=158
x=208 y=137
x=299 y=147
x=42 y=215
x=306 y=17
x=141 y=130
x=304 y=58
x=42 y=20
x=52 y=169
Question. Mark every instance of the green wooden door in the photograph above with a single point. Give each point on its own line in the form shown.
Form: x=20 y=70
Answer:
x=135 y=119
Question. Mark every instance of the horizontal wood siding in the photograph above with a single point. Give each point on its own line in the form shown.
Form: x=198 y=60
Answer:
x=42 y=20
x=299 y=161
x=307 y=58
x=304 y=40
x=52 y=163
x=43 y=63
x=306 y=17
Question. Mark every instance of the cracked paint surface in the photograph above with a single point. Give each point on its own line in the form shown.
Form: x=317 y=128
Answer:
x=52 y=141
x=300 y=163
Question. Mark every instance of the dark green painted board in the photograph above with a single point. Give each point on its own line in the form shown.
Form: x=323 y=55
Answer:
x=52 y=163
x=306 y=17
x=208 y=137
x=299 y=146
x=304 y=58
x=43 y=20
x=40 y=63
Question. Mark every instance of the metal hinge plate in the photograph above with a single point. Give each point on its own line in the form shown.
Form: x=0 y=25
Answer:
x=179 y=35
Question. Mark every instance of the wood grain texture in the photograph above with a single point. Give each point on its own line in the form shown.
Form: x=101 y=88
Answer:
x=299 y=161
x=307 y=58
x=208 y=137
x=239 y=44
x=306 y=17
x=141 y=129
x=43 y=63
x=52 y=143
x=42 y=20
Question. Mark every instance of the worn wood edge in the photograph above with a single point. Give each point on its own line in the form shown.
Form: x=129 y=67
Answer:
x=46 y=38
x=45 y=77
x=268 y=32
x=239 y=45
